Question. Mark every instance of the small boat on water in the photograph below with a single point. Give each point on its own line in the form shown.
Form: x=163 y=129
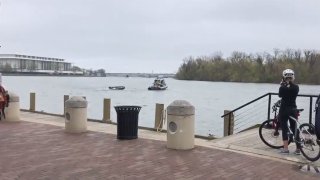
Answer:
x=117 y=87
x=158 y=84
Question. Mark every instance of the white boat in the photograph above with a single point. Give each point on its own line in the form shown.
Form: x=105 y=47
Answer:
x=158 y=84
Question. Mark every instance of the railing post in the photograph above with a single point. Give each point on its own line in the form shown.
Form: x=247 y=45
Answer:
x=32 y=101
x=65 y=98
x=158 y=116
x=106 y=110
x=310 y=111
x=269 y=106
x=228 y=123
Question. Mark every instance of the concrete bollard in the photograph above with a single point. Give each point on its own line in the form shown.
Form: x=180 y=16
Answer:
x=180 y=125
x=76 y=115
x=12 y=112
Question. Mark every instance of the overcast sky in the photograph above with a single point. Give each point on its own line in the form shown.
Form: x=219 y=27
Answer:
x=154 y=35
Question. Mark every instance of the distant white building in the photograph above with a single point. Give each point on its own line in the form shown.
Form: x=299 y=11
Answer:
x=35 y=64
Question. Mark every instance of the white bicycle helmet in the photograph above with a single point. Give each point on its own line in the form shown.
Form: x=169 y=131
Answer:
x=288 y=73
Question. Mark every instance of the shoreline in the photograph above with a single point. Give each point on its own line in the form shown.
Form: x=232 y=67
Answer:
x=45 y=74
x=145 y=75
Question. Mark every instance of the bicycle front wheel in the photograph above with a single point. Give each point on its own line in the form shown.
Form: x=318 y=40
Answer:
x=308 y=142
x=271 y=134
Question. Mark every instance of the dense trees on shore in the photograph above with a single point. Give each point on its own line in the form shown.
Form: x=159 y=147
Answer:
x=258 y=68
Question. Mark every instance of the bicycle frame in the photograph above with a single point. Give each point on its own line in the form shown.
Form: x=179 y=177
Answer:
x=295 y=128
x=296 y=132
x=302 y=133
x=277 y=122
x=297 y=123
x=276 y=117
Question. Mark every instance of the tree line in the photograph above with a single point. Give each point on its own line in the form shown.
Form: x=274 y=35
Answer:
x=258 y=68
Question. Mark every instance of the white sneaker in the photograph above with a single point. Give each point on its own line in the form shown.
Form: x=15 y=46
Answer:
x=297 y=152
x=284 y=151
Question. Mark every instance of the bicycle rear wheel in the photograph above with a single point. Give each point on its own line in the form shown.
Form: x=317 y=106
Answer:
x=309 y=147
x=271 y=134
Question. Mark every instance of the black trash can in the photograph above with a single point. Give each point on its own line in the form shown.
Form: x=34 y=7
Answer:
x=127 y=121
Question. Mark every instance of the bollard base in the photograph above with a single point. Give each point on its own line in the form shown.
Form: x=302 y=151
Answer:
x=75 y=131
x=12 y=113
x=177 y=146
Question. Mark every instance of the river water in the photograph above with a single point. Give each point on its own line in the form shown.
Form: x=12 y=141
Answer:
x=209 y=98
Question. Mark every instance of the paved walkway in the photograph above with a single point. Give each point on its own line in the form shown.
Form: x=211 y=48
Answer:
x=31 y=150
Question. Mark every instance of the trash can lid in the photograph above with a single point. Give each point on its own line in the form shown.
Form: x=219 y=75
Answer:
x=13 y=97
x=76 y=102
x=127 y=108
x=180 y=108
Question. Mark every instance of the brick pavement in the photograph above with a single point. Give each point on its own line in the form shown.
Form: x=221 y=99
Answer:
x=39 y=151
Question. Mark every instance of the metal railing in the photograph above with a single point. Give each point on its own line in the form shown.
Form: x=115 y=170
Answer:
x=269 y=96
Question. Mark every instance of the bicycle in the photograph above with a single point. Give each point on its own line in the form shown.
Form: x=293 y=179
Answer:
x=270 y=133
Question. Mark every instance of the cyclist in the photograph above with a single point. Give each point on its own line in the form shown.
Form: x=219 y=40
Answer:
x=288 y=92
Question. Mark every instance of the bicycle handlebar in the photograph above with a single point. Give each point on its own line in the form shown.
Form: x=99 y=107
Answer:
x=276 y=105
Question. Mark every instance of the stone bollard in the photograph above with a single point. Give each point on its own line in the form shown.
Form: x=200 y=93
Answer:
x=12 y=112
x=76 y=115
x=180 y=125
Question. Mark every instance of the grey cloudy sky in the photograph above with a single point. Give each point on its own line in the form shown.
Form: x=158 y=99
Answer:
x=154 y=35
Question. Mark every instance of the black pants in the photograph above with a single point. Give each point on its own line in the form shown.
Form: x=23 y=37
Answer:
x=284 y=117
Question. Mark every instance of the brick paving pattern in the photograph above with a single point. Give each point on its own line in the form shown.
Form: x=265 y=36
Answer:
x=38 y=151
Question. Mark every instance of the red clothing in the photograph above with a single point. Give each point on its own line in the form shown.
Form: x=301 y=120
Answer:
x=3 y=99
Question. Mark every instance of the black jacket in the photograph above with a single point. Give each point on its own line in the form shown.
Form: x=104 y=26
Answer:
x=288 y=94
